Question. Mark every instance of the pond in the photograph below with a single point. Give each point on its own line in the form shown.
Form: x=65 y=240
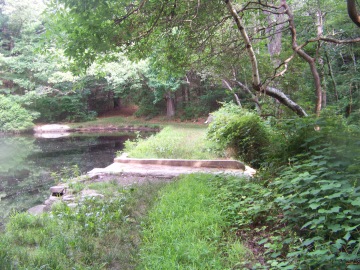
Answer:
x=28 y=164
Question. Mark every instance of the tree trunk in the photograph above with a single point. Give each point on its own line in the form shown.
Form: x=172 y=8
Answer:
x=352 y=11
x=320 y=31
x=256 y=83
x=331 y=73
x=274 y=34
x=170 y=105
x=304 y=56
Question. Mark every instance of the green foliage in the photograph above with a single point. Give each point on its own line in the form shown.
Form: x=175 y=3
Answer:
x=14 y=118
x=98 y=233
x=245 y=203
x=148 y=104
x=69 y=107
x=242 y=131
x=320 y=191
x=307 y=217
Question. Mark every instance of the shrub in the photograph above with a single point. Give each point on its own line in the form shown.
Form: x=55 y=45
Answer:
x=319 y=194
x=13 y=117
x=72 y=108
x=240 y=130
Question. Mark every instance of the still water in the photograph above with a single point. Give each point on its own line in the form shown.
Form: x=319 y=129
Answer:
x=26 y=164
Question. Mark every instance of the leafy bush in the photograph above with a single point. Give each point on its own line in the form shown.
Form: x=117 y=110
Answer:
x=308 y=216
x=240 y=130
x=72 y=108
x=13 y=117
x=319 y=194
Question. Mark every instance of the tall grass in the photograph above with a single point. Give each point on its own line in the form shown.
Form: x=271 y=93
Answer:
x=185 y=229
x=181 y=142
x=100 y=233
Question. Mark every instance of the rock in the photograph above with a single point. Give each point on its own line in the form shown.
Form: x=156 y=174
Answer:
x=249 y=171
x=51 y=128
x=51 y=200
x=37 y=210
x=58 y=190
x=68 y=198
x=90 y=193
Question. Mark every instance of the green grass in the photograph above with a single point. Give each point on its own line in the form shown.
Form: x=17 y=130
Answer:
x=121 y=121
x=179 y=142
x=184 y=228
x=188 y=228
x=100 y=233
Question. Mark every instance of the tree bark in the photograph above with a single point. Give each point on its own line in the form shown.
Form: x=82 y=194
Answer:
x=256 y=83
x=170 y=105
x=352 y=11
x=320 y=31
x=274 y=36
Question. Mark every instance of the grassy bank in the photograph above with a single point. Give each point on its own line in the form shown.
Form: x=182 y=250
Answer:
x=187 y=226
x=99 y=233
x=121 y=121
x=182 y=142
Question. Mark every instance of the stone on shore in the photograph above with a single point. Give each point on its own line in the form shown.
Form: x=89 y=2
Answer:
x=58 y=190
x=37 y=210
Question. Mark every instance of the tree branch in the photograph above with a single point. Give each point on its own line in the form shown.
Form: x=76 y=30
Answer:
x=117 y=21
x=232 y=91
x=256 y=83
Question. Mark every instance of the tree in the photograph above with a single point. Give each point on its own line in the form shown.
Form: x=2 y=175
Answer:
x=142 y=25
x=183 y=35
x=353 y=13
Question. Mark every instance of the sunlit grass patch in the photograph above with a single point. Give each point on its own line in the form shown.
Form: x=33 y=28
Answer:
x=177 y=142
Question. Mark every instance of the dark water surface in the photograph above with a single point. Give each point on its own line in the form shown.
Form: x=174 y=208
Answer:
x=26 y=164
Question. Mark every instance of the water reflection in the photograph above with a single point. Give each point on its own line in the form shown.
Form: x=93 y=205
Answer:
x=26 y=163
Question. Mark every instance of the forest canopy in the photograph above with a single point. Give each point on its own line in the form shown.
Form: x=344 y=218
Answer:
x=275 y=57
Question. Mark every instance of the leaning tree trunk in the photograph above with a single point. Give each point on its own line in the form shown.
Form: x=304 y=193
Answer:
x=256 y=83
x=310 y=60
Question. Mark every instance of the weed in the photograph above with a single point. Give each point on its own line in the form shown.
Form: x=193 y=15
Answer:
x=99 y=233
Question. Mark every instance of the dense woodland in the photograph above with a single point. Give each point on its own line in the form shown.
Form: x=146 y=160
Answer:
x=72 y=61
x=280 y=77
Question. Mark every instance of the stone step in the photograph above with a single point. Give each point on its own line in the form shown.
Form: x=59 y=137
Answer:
x=220 y=164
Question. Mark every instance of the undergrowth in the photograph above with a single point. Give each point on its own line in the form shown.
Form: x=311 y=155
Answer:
x=99 y=233
x=303 y=210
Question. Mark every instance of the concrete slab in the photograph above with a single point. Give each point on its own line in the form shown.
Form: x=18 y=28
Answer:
x=218 y=164
x=160 y=171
